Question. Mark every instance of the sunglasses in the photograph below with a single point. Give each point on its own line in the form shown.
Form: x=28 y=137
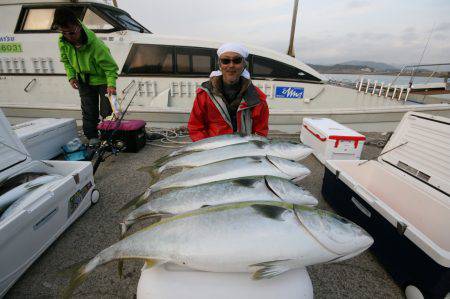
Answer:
x=73 y=32
x=225 y=61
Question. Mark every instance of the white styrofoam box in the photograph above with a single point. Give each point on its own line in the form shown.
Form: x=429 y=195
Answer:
x=331 y=140
x=408 y=186
x=27 y=233
x=170 y=281
x=44 y=137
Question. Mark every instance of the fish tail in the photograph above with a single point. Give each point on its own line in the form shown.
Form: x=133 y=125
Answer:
x=79 y=275
x=137 y=201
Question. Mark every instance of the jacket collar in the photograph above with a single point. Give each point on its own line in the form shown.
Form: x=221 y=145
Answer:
x=248 y=91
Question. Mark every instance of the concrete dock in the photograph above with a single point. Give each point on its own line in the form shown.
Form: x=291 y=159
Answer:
x=118 y=182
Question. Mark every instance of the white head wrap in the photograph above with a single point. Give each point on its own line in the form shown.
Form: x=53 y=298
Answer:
x=236 y=48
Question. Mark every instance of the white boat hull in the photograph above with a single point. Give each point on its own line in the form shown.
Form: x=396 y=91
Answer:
x=379 y=119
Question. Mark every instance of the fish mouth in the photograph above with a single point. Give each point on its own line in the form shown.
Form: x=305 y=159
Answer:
x=290 y=168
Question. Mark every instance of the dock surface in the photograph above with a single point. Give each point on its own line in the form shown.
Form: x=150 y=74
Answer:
x=118 y=181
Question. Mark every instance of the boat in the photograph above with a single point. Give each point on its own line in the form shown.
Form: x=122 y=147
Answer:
x=161 y=74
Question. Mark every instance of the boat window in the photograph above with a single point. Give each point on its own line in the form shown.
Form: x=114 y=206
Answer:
x=269 y=68
x=193 y=60
x=183 y=64
x=93 y=21
x=39 y=19
x=149 y=59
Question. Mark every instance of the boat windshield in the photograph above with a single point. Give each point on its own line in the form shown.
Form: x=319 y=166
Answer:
x=125 y=20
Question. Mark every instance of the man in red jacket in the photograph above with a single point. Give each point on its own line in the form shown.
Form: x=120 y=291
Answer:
x=229 y=102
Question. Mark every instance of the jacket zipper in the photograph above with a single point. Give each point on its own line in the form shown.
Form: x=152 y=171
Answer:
x=78 y=63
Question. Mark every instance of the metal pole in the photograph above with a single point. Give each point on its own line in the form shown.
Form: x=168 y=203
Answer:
x=290 y=51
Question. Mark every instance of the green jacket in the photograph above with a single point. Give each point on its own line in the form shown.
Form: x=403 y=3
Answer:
x=93 y=58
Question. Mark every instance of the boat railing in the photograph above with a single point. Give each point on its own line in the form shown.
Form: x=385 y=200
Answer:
x=401 y=92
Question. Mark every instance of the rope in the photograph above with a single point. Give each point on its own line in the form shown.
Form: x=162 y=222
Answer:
x=169 y=137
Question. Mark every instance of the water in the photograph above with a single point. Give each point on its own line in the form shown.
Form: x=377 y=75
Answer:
x=402 y=80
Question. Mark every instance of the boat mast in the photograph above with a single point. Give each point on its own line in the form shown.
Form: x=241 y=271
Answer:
x=290 y=51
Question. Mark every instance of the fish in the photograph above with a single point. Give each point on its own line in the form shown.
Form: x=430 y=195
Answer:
x=216 y=142
x=287 y=150
x=262 y=238
x=14 y=194
x=38 y=185
x=17 y=180
x=237 y=190
x=225 y=170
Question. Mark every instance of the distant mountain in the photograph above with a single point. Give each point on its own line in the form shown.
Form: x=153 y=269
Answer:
x=378 y=66
x=342 y=69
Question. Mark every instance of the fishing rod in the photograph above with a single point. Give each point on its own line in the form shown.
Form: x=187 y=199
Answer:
x=421 y=57
x=104 y=145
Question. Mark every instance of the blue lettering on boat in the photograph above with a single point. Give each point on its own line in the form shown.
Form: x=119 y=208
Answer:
x=289 y=92
x=7 y=38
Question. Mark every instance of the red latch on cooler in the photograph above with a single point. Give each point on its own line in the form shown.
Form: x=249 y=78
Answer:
x=356 y=139
x=315 y=134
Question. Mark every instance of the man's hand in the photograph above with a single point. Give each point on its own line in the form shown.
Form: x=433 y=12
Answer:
x=110 y=90
x=74 y=83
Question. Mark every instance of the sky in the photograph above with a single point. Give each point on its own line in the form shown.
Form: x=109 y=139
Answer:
x=327 y=31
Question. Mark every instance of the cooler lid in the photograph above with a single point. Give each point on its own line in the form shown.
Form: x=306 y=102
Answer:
x=12 y=150
x=38 y=126
x=420 y=146
x=328 y=127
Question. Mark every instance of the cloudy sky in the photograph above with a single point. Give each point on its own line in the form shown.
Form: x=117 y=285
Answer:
x=328 y=31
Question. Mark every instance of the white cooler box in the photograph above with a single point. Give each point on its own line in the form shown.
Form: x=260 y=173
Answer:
x=44 y=137
x=331 y=140
x=171 y=281
x=403 y=201
x=25 y=234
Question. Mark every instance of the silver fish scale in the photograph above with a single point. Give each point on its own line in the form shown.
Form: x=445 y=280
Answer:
x=230 y=240
x=229 y=169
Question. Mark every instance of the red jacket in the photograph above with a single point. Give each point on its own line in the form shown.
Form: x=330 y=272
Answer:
x=209 y=116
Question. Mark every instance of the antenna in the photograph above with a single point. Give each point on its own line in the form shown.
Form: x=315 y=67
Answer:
x=290 y=51
x=421 y=57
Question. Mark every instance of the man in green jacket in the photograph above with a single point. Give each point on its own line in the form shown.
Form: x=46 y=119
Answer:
x=90 y=68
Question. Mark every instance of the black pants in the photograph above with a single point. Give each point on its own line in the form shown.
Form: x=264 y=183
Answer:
x=90 y=95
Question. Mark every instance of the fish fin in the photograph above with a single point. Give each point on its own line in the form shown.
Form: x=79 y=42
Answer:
x=272 y=212
x=258 y=143
x=255 y=158
x=270 y=269
x=245 y=182
x=204 y=206
x=79 y=276
x=151 y=263
x=32 y=186
x=161 y=161
x=120 y=269
x=137 y=201
x=155 y=217
x=152 y=171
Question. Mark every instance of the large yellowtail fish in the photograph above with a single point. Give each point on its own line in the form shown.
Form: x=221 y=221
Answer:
x=263 y=238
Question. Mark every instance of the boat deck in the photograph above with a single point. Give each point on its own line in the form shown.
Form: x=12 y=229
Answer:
x=118 y=182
